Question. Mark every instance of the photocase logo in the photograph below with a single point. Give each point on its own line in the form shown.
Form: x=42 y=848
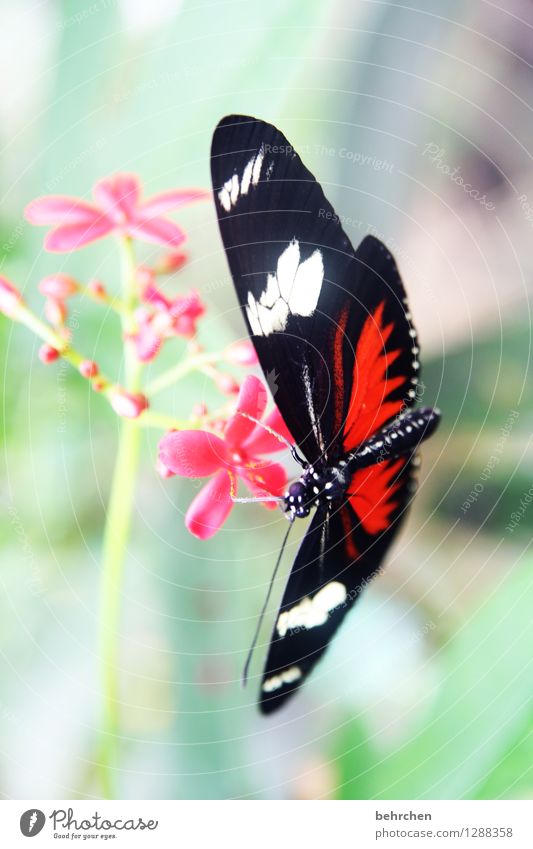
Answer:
x=32 y=822
x=272 y=381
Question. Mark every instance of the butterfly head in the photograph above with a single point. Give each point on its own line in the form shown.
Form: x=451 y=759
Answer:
x=315 y=488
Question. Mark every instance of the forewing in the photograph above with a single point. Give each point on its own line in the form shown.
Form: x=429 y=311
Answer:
x=331 y=327
x=342 y=550
x=290 y=261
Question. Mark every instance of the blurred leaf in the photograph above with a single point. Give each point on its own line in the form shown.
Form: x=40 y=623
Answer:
x=483 y=698
x=512 y=777
x=355 y=760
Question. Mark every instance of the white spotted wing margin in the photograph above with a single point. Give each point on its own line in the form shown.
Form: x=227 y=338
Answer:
x=336 y=560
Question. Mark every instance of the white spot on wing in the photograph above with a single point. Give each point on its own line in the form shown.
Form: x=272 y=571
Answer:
x=234 y=188
x=246 y=177
x=288 y=676
x=258 y=164
x=295 y=287
x=312 y=612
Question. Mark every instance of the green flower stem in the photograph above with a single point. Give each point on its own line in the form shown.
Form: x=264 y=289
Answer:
x=177 y=372
x=160 y=420
x=116 y=536
x=114 y=304
x=51 y=337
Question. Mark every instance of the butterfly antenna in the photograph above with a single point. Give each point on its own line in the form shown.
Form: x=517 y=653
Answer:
x=278 y=436
x=264 y=609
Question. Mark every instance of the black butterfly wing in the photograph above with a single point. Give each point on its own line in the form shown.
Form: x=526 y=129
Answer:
x=304 y=292
x=340 y=553
x=287 y=254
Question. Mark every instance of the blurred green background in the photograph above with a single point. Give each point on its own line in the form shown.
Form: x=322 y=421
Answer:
x=426 y=692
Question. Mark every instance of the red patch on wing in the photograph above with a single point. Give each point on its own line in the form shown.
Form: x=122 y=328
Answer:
x=371 y=494
x=338 y=369
x=369 y=408
x=347 y=526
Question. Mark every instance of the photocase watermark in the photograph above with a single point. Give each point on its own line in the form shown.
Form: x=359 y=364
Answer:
x=13 y=238
x=518 y=515
x=34 y=582
x=492 y=461
x=436 y=156
x=83 y=14
x=65 y=824
x=61 y=380
x=356 y=157
x=527 y=208
x=74 y=163
x=421 y=632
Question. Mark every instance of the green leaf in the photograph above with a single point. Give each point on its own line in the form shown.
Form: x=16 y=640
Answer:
x=485 y=693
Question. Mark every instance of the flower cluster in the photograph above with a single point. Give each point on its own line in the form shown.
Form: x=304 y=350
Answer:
x=226 y=446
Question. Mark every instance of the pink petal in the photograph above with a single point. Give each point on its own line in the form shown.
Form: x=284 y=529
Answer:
x=118 y=196
x=71 y=237
x=59 y=209
x=192 y=453
x=166 y=201
x=261 y=441
x=156 y=230
x=252 y=400
x=266 y=479
x=211 y=507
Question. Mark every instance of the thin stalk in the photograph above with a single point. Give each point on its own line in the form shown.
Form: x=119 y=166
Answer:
x=177 y=372
x=116 y=536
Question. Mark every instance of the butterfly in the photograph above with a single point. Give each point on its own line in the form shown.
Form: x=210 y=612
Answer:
x=333 y=326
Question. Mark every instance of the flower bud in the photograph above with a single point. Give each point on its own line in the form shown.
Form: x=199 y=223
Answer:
x=88 y=368
x=145 y=277
x=171 y=262
x=199 y=411
x=99 y=384
x=97 y=290
x=241 y=353
x=55 y=311
x=58 y=286
x=127 y=404
x=47 y=354
x=10 y=298
x=227 y=384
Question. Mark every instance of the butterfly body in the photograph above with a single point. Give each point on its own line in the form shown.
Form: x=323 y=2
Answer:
x=322 y=485
x=334 y=336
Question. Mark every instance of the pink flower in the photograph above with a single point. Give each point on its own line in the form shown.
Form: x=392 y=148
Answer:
x=184 y=311
x=10 y=298
x=198 y=454
x=76 y=223
x=127 y=404
x=176 y=317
